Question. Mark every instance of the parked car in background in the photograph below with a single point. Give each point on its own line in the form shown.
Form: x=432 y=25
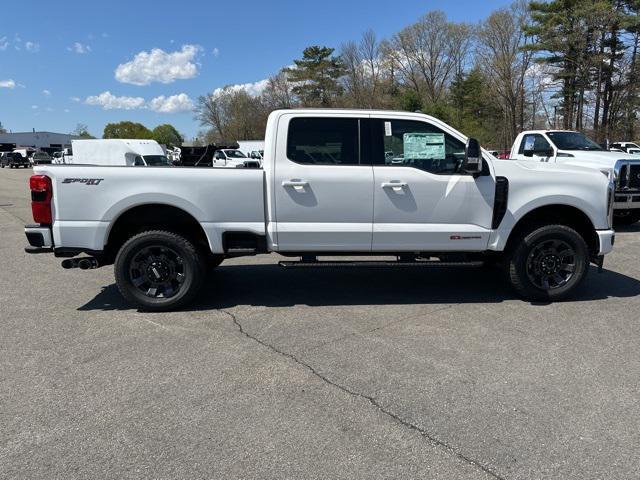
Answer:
x=26 y=152
x=624 y=146
x=13 y=160
x=574 y=148
x=329 y=188
x=233 y=158
x=41 y=158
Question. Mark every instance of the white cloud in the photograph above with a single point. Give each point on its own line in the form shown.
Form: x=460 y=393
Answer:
x=108 y=101
x=66 y=110
x=34 y=107
x=7 y=83
x=159 y=66
x=75 y=99
x=46 y=93
x=215 y=51
x=253 y=88
x=105 y=35
x=4 y=43
x=32 y=47
x=79 y=48
x=172 y=104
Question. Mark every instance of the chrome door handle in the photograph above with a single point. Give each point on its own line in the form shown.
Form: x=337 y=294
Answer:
x=297 y=184
x=397 y=186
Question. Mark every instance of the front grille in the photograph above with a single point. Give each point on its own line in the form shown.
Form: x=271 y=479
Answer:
x=628 y=176
x=634 y=176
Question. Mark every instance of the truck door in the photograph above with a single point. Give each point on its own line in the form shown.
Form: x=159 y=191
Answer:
x=219 y=159
x=421 y=202
x=323 y=184
x=535 y=147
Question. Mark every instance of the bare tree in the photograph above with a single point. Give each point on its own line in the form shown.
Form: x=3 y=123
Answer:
x=500 y=52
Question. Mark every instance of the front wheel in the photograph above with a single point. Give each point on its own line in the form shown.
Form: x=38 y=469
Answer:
x=159 y=271
x=548 y=263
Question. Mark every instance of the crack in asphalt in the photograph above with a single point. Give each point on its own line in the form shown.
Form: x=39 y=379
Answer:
x=435 y=441
x=380 y=327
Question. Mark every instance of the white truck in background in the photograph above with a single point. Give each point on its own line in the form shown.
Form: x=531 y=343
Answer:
x=331 y=184
x=62 y=157
x=574 y=148
x=122 y=152
x=233 y=158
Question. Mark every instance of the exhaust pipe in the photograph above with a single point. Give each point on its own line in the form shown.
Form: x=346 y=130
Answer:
x=84 y=263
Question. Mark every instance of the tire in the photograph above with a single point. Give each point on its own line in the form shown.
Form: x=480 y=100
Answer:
x=626 y=217
x=548 y=263
x=159 y=271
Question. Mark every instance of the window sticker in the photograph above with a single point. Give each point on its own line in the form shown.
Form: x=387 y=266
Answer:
x=387 y=129
x=421 y=146
x=528 y=142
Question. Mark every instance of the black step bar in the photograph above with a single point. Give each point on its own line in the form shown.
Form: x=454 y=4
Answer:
x=376 y=264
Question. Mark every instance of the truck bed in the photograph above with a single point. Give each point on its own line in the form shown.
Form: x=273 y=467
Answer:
x=87 y=199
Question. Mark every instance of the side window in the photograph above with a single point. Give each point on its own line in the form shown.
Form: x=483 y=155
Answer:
x=420 y=145
x=138 y=162
x=533 y=141
x=323 y=141
x=541 y=143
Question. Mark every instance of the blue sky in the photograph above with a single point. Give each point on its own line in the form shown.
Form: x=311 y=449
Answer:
x=71 y=62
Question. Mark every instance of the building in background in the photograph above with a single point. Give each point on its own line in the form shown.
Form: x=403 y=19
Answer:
x=45 y=141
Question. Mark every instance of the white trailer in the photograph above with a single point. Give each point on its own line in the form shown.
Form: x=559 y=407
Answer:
x=121 y=152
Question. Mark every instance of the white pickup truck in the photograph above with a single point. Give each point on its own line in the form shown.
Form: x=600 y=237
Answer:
x=574 y=148
x=334 y=183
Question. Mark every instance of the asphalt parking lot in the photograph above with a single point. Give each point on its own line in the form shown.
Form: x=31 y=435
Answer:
x=315 y=374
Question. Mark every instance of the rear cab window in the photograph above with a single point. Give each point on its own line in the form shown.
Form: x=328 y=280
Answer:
x=324 y=141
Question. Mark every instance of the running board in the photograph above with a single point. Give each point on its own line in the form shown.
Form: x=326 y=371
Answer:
x=376 y=264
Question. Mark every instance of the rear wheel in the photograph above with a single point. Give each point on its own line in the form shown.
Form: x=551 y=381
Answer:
x=159 y=271
x=626 y=217
x=548 y=263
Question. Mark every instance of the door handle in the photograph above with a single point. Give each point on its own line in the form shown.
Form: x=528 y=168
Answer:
x=397 y=186
x=297 y=184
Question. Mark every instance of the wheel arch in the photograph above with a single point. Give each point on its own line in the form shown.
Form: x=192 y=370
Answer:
x=153 y=216
x=559 y=214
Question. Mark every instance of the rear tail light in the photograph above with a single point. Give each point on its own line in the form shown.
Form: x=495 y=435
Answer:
x=41 y=195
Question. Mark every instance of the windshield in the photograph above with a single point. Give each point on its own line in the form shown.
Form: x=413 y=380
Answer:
x=157 y=160
x=572 y=141
x=235 y=154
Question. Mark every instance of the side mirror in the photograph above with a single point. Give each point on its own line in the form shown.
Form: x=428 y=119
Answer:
x=472 y=157
x=540 y=152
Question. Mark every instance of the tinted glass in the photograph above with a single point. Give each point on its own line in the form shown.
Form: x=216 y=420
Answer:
x=572 y=141
x=534 y=142
x=417 y=144
x=157 y=160
x=323 y=141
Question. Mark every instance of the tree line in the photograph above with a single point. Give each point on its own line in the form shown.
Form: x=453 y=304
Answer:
x=568 y=64
x=165 y=134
